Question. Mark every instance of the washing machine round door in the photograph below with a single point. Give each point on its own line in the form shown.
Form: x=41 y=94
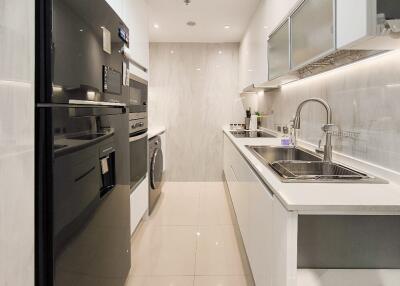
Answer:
x=156 y=168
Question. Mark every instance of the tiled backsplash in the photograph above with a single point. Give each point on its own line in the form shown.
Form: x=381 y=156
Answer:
x=365 y=99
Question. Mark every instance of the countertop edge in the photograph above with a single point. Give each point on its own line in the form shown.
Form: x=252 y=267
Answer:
x=154 y=131
x=301 y=208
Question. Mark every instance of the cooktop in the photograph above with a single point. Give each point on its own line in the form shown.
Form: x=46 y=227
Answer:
x=251 y=134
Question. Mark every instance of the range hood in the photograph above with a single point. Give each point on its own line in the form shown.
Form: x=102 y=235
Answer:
x=251 y=89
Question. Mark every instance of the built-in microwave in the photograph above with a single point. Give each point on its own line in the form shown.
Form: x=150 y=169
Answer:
x=138 y=89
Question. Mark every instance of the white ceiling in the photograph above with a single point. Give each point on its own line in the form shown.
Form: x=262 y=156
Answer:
x=210 y=15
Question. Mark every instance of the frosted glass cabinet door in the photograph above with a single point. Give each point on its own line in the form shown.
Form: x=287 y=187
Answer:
x=312 y=31
x=278 y=52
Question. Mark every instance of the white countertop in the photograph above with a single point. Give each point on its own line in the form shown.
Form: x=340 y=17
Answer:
x=313 y=198
x=155 y=130
x=348 y=277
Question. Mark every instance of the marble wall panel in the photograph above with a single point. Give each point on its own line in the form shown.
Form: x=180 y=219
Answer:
x=17 y=142
x=193 y=93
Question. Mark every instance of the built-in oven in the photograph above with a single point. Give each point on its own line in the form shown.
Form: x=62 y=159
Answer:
x=138 y=159
x=137 y=130
x=137 y=148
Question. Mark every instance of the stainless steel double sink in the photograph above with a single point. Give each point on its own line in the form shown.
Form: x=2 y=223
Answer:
x=297 y=165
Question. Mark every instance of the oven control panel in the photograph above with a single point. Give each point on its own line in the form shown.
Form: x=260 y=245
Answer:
x=137 y=122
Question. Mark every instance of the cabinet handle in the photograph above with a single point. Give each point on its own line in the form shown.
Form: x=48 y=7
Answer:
x=84 y=174
x=108 y=150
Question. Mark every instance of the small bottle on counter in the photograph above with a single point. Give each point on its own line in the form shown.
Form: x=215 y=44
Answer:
x=286 y=140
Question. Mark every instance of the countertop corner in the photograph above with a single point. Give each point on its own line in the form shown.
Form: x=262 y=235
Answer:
x=156 y=130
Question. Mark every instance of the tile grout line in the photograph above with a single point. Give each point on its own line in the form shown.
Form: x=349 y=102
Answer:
x=197 y=237
x=197 y=226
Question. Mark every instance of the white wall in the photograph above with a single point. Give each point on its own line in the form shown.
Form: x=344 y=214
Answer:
x=253 y=49
x=194 y=105
x=17 y=142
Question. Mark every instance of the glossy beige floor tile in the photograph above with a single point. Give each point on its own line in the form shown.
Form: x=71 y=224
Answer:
x=178 y=205
x=220 y=281
x=164 y=250
x=213 y=205
x=217 y=251
x=189 y=233
x=160 y=281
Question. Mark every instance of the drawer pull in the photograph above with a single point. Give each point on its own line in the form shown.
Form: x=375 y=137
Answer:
x=84 y=174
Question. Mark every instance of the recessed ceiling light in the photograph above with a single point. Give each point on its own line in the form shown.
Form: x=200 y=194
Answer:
x=227 y=27
x=191 y=23
x=172 y=51
x=249 y=70
x=220 y=52
x=80 y=30
x=155 y=25
x=198 y=69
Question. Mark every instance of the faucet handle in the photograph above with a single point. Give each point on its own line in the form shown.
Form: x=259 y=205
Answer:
x=320 y=150
x=328 y=128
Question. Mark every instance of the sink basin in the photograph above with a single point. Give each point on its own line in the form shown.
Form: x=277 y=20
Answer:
x=271 y=154
x=296 y=165
x=314 y=170
x=251 y=134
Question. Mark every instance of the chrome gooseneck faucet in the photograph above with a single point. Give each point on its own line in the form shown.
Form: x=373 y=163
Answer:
x=327 y=128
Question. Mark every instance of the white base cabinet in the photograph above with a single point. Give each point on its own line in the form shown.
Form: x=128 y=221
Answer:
x=139 y=203
x=284 y=242
x=265 y=226
x=271 y=233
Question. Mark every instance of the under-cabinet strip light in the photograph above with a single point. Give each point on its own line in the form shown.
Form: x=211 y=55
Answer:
x=357 y=64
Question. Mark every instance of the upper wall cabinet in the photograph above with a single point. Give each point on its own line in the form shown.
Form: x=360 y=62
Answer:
x=367 y=24
x=136 y=18
x=116 y=5
x=312 y=31
x=253 y=56
x=326 y=34
x=278 y=52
